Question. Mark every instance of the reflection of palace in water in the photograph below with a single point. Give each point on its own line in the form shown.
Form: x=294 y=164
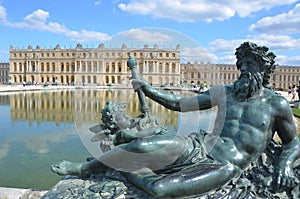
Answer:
x=80 y=106
x=86 y=101
x=4 y=100
x=42 y=107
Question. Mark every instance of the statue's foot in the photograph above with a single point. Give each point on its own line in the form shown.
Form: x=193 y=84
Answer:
x=67 y=168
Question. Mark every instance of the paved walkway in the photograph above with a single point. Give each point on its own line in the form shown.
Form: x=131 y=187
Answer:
x=8 y=89
x=15 y=193
x=15 y=88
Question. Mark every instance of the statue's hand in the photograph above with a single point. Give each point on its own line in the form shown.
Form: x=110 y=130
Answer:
x=284 y=177
x=139 y=83
x=100 y=135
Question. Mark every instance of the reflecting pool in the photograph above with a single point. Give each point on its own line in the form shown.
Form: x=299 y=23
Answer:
x=41 y=128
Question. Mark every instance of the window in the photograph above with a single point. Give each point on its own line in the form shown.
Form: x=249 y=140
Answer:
x=119 y=67
x=107 y=67
x=173 y=68
x=113 y=65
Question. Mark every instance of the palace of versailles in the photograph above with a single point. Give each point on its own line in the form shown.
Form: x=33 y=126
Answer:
x=108 y=66
x=4 y=72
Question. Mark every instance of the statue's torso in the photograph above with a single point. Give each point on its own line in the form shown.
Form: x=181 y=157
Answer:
x=246 y=127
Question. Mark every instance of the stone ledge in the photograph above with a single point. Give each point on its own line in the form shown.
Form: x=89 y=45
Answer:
x=17 y=193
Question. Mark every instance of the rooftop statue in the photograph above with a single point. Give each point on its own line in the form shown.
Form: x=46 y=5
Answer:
x=164 y=164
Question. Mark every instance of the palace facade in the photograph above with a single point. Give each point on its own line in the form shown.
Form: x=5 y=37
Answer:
x=4 y=72
x=211 y=74
x=93 y=66
x=108 y=66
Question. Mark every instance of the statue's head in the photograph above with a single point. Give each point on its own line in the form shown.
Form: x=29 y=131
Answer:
x=264 y=59
x=114 y=115
x=256 y=64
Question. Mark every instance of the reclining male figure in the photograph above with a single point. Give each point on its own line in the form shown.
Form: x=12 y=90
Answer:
x=248 y=115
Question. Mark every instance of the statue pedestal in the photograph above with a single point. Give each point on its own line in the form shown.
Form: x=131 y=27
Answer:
x=254 y=183
x=109 y=184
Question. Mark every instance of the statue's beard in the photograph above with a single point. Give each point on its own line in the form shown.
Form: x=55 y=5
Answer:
x=247 y=85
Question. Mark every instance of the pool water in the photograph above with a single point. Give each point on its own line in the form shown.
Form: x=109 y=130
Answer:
x=40 y=128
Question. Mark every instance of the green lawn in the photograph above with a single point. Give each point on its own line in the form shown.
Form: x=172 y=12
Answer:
x=296 y=111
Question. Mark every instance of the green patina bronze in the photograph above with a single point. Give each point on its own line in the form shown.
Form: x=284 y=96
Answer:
x=229 y=162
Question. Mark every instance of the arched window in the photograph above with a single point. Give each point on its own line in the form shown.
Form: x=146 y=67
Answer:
x=48 y=67
x=119 y=67
x=167 y=68
x=173 y=68
x=53 y=67
x=113 y=79
x=113 y=67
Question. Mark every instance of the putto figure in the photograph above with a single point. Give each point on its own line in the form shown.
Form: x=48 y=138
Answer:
x=118 y=128
x=249 y=113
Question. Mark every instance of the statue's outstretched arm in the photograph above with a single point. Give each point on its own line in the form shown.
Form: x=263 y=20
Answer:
x=172 y=101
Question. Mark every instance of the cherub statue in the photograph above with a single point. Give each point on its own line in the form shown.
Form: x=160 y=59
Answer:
x=118 y=128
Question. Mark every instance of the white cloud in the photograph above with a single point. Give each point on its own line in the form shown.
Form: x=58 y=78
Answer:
x=276 y=44
x=97 y=3
x=37 y=20
x=286 y=23
x=38 y=17
x=224 y=46
x=195 y=10
x=86 y=36
x=295 y=60
x=2 y=13
x=287 y=61
x=229 y=59
x=145 y=36
x=178 y=10
x=197 y=54
x=245 y=8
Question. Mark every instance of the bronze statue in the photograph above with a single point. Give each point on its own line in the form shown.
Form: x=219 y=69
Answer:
x=118 y=128
x=249 y=113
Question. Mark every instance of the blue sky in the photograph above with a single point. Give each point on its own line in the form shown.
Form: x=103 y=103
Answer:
x=207 y=30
